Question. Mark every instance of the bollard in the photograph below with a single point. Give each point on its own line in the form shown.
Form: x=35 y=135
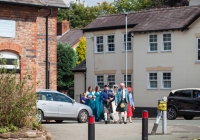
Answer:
x=91 y=128
x=145 y=125
x=164 y=117
x=155 y=126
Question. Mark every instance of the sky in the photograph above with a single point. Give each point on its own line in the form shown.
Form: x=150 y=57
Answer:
x=88 y=2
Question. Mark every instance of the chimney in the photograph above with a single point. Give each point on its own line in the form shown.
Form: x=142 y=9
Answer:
x=194 y=2
x=62 y=27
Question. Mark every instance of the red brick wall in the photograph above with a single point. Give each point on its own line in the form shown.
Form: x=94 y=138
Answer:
x=30 y=41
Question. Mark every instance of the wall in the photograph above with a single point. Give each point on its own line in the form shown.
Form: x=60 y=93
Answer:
x=182 y=61
x=79 y=87
x=29 y=42
x=194 y=2
x=107 y=62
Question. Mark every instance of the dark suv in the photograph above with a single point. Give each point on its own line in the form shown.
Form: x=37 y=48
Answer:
x=183 y=102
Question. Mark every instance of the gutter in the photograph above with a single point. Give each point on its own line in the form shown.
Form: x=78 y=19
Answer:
x=34 y=5
x=107 y=28
x=47 y=50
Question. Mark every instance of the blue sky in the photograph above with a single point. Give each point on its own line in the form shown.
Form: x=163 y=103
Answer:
x=94 y=2
x=88 y=2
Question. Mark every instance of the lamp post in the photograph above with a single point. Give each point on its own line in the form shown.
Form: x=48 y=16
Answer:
x=126 y=46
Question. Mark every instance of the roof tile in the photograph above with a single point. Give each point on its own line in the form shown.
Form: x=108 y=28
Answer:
x=150 y=20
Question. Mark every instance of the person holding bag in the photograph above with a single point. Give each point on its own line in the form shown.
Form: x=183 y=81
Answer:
x=121 y=101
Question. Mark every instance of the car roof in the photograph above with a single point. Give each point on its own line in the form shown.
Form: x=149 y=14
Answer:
x=172 y=91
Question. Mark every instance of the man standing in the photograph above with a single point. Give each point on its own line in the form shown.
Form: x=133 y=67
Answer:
x=121 y=101
x=107 y=98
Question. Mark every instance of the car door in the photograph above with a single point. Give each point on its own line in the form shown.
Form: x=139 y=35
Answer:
x=185 y=100
x=67 y=107
x=196 y=102
x=48 y=104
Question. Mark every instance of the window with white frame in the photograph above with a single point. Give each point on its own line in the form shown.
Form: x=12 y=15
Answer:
x=153 y=43
x=166 y=80
x=111 y=81
x=153 y=80
x=10 y=60
x=100 y=81
x=129 y=42
x=129 y=80
x=99 y=44
x=111 y=43
x=198 y=49
x=167 y=42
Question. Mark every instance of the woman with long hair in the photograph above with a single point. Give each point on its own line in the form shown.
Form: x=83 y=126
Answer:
x=114 y=114
x=90 y=98
x=98 y=105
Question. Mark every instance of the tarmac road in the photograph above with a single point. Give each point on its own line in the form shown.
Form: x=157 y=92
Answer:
x=177 y=130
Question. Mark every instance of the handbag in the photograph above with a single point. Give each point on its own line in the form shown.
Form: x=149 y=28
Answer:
x=122 y=105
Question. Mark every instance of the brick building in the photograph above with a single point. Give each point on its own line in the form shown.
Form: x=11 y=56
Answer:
x=23 y=37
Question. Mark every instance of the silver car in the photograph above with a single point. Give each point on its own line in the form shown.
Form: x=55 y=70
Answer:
x=53 y=105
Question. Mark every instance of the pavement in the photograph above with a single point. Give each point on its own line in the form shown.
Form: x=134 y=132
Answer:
x=178 y=129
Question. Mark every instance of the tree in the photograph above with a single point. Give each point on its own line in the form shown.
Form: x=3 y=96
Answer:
x=81 y=50
x=79 y=16
x=66 y=61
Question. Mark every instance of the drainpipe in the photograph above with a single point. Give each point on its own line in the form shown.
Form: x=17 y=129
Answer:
x=85 y=78
x=47 y=50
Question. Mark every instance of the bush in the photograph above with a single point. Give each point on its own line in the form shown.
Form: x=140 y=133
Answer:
x=17 y=99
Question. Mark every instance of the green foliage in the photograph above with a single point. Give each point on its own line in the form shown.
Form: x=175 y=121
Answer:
x=79 y=16
x=17 y=100
x=81 y=50
x=66 y=61
x=4 y=130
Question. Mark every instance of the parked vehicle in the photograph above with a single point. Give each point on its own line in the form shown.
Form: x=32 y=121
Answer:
x=53 y=105
x=183 y=102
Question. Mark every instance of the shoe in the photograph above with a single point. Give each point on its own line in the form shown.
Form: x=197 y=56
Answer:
x=106 y=122
x=125 y=122
x=120 y=122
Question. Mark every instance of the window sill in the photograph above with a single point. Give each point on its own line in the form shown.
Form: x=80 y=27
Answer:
x=127 y=51
x=166 y=51
x=152 y=52
x=152 y=88
x=166 y=88
x=197 y=62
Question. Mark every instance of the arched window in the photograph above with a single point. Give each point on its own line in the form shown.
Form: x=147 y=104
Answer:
x=10 y=59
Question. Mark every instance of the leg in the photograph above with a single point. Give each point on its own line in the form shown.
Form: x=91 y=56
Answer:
x=120 y=117
x=125 y=117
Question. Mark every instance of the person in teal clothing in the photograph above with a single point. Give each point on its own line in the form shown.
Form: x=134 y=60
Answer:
x=98 y=111
x=90 y=99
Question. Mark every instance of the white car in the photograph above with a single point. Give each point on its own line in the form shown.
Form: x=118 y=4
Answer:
x=53 y=105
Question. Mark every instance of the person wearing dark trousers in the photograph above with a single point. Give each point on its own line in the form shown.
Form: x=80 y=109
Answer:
x=107 y=98
x=121 y=101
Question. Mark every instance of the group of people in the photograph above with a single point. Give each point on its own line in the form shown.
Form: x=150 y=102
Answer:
x=116 y=103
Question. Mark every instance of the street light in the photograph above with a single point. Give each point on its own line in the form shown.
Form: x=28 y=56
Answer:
x=126 y=46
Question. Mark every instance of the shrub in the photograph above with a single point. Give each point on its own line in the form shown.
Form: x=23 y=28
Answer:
x=17 y=99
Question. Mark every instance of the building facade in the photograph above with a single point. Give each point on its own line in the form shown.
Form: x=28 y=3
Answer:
x=23 y=38
x=163 y=53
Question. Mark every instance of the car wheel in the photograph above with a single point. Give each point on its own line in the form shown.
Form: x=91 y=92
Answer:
x=171 y=113
x=187 y=117
x=39 y=116
x=82 y=116
x=59 y=121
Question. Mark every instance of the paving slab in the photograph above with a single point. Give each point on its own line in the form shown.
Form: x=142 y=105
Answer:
x=177 y=130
